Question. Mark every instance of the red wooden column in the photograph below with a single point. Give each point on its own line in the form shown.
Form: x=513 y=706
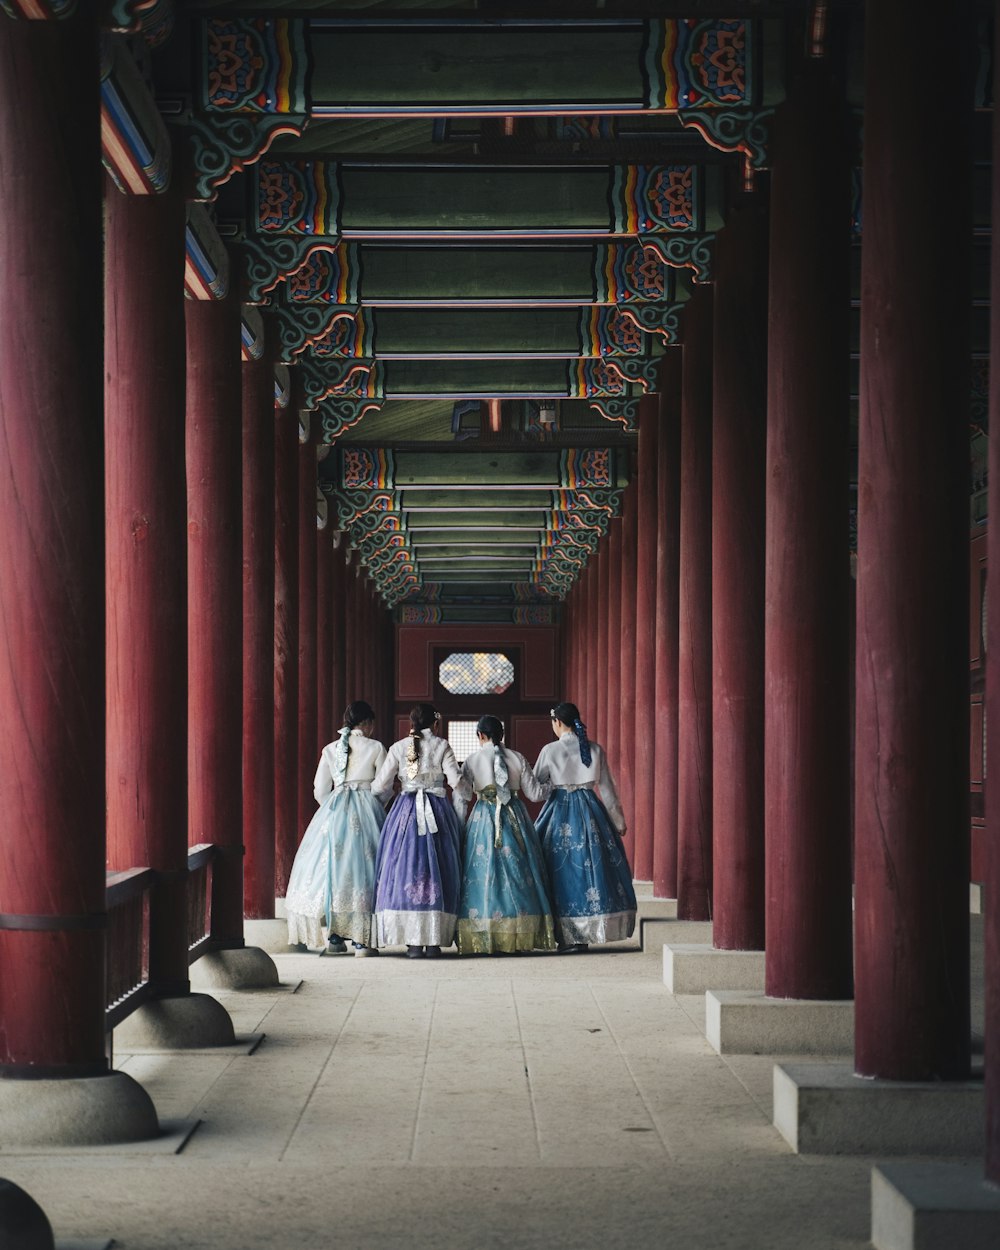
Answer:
x=286 y=645
x=339 y=696
x=599 y=714
x=991 y=885
x=146 y=560
x=591 y=650
x=645 y=731
x=912 y=702
x=739 y=440
x=325 y=725
x=806 y=760
x=626 y=703
x=51 y=543
x=608 y=731
x=668 y=497
x=308 y=622
x=259 y=417
x=694 y=761
x=215 y=610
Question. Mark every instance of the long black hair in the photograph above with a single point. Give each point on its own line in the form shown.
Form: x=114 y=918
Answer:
x=422 y=716
x=569 y=714
x=357 y=713
x=491 y=728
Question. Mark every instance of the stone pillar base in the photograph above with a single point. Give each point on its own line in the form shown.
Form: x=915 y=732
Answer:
x=76 y=1111
x=975 y=898
x=269 y=935
x=656 y=933
x=643 y=889
x=244 y=968
x=742 y=1022
x=23 y=1223
x=934 y=1206
x=188 y=1022
x=823 y=1108
x=279 y=909
x=694 y=968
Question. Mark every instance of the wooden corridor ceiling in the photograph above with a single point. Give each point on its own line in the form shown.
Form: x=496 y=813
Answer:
x=474 y=228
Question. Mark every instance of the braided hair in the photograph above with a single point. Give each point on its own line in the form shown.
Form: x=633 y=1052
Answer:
x=354 y=714
x=422 y=716
x=491 y=728
x=569 y=714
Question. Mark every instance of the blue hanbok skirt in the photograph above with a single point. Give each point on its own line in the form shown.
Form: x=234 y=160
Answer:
x=332 y=883
x=505 y=898
x=591 y=880
x=417 y=875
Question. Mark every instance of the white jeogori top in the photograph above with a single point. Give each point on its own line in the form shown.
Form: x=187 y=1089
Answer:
x=436 y=763
x=559 y=764
x=364 y=760
x=477 y=774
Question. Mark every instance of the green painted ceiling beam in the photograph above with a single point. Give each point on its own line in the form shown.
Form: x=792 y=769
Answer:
x=317 y=199
x=325 y=65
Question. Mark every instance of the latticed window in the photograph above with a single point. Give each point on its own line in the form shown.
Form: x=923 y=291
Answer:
x=476 y=672
x=462 y=736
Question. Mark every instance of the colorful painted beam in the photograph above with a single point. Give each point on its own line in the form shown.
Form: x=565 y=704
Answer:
x=335 y=67
x=135 y=146
x=467 y=334
x=318 y=198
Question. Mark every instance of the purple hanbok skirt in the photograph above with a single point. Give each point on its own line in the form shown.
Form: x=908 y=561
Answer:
x=418 y=876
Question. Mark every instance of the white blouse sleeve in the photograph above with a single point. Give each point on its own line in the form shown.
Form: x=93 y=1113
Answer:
x=386 y=775
x=385 y=793
x=609 y=794
x=531 y=787
x=542 y=772
x=323 y=781
x=449 y=766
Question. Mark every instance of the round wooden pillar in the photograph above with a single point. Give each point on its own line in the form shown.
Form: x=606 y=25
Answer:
x=626 y=700
x=286 y=645
x=991 y=884
x=912 y=694
x=325 y=724
x=694 y=764
x=609 y=730
x=599 y=713
x=146 y=553
x=806 y=745
x=668 y=497
x=259 y=417
x=215 y=624
x=51 y=542
x=739 y=439
x=308 y=622
x=645 y=731
x=338 y=576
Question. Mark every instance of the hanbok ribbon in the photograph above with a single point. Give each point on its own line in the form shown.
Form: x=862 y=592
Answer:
x=502 y=779
x=426 y=823
x=340 y=753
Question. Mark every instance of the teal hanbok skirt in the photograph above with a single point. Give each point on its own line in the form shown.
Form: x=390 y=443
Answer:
x=505 y=903
x=332 y=883
x=591 y=881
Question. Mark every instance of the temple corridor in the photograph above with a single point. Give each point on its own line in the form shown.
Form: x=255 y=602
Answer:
x=532 y=1101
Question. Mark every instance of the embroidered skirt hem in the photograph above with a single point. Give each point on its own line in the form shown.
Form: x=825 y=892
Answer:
x=414 y=928
x=597 y=929
x=509 y=934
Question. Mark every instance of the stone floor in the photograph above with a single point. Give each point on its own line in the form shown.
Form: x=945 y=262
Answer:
x=527 y=1101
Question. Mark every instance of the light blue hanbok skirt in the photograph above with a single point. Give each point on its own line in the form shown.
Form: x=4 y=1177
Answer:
x=332 y=883
x=505 y=898
x=591 y=880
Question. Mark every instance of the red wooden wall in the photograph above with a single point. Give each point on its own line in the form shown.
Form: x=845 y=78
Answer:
x=524 y=709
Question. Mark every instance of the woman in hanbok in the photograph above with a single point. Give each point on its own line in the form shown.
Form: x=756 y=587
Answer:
x=581 y=837
x=332 y=883
x=419 y=865
x=504 y=905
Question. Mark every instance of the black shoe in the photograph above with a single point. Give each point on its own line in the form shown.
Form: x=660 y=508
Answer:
x=432 y=952
x=414 y=952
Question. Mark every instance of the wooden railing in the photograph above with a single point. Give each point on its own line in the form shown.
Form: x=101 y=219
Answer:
x=130 y=901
